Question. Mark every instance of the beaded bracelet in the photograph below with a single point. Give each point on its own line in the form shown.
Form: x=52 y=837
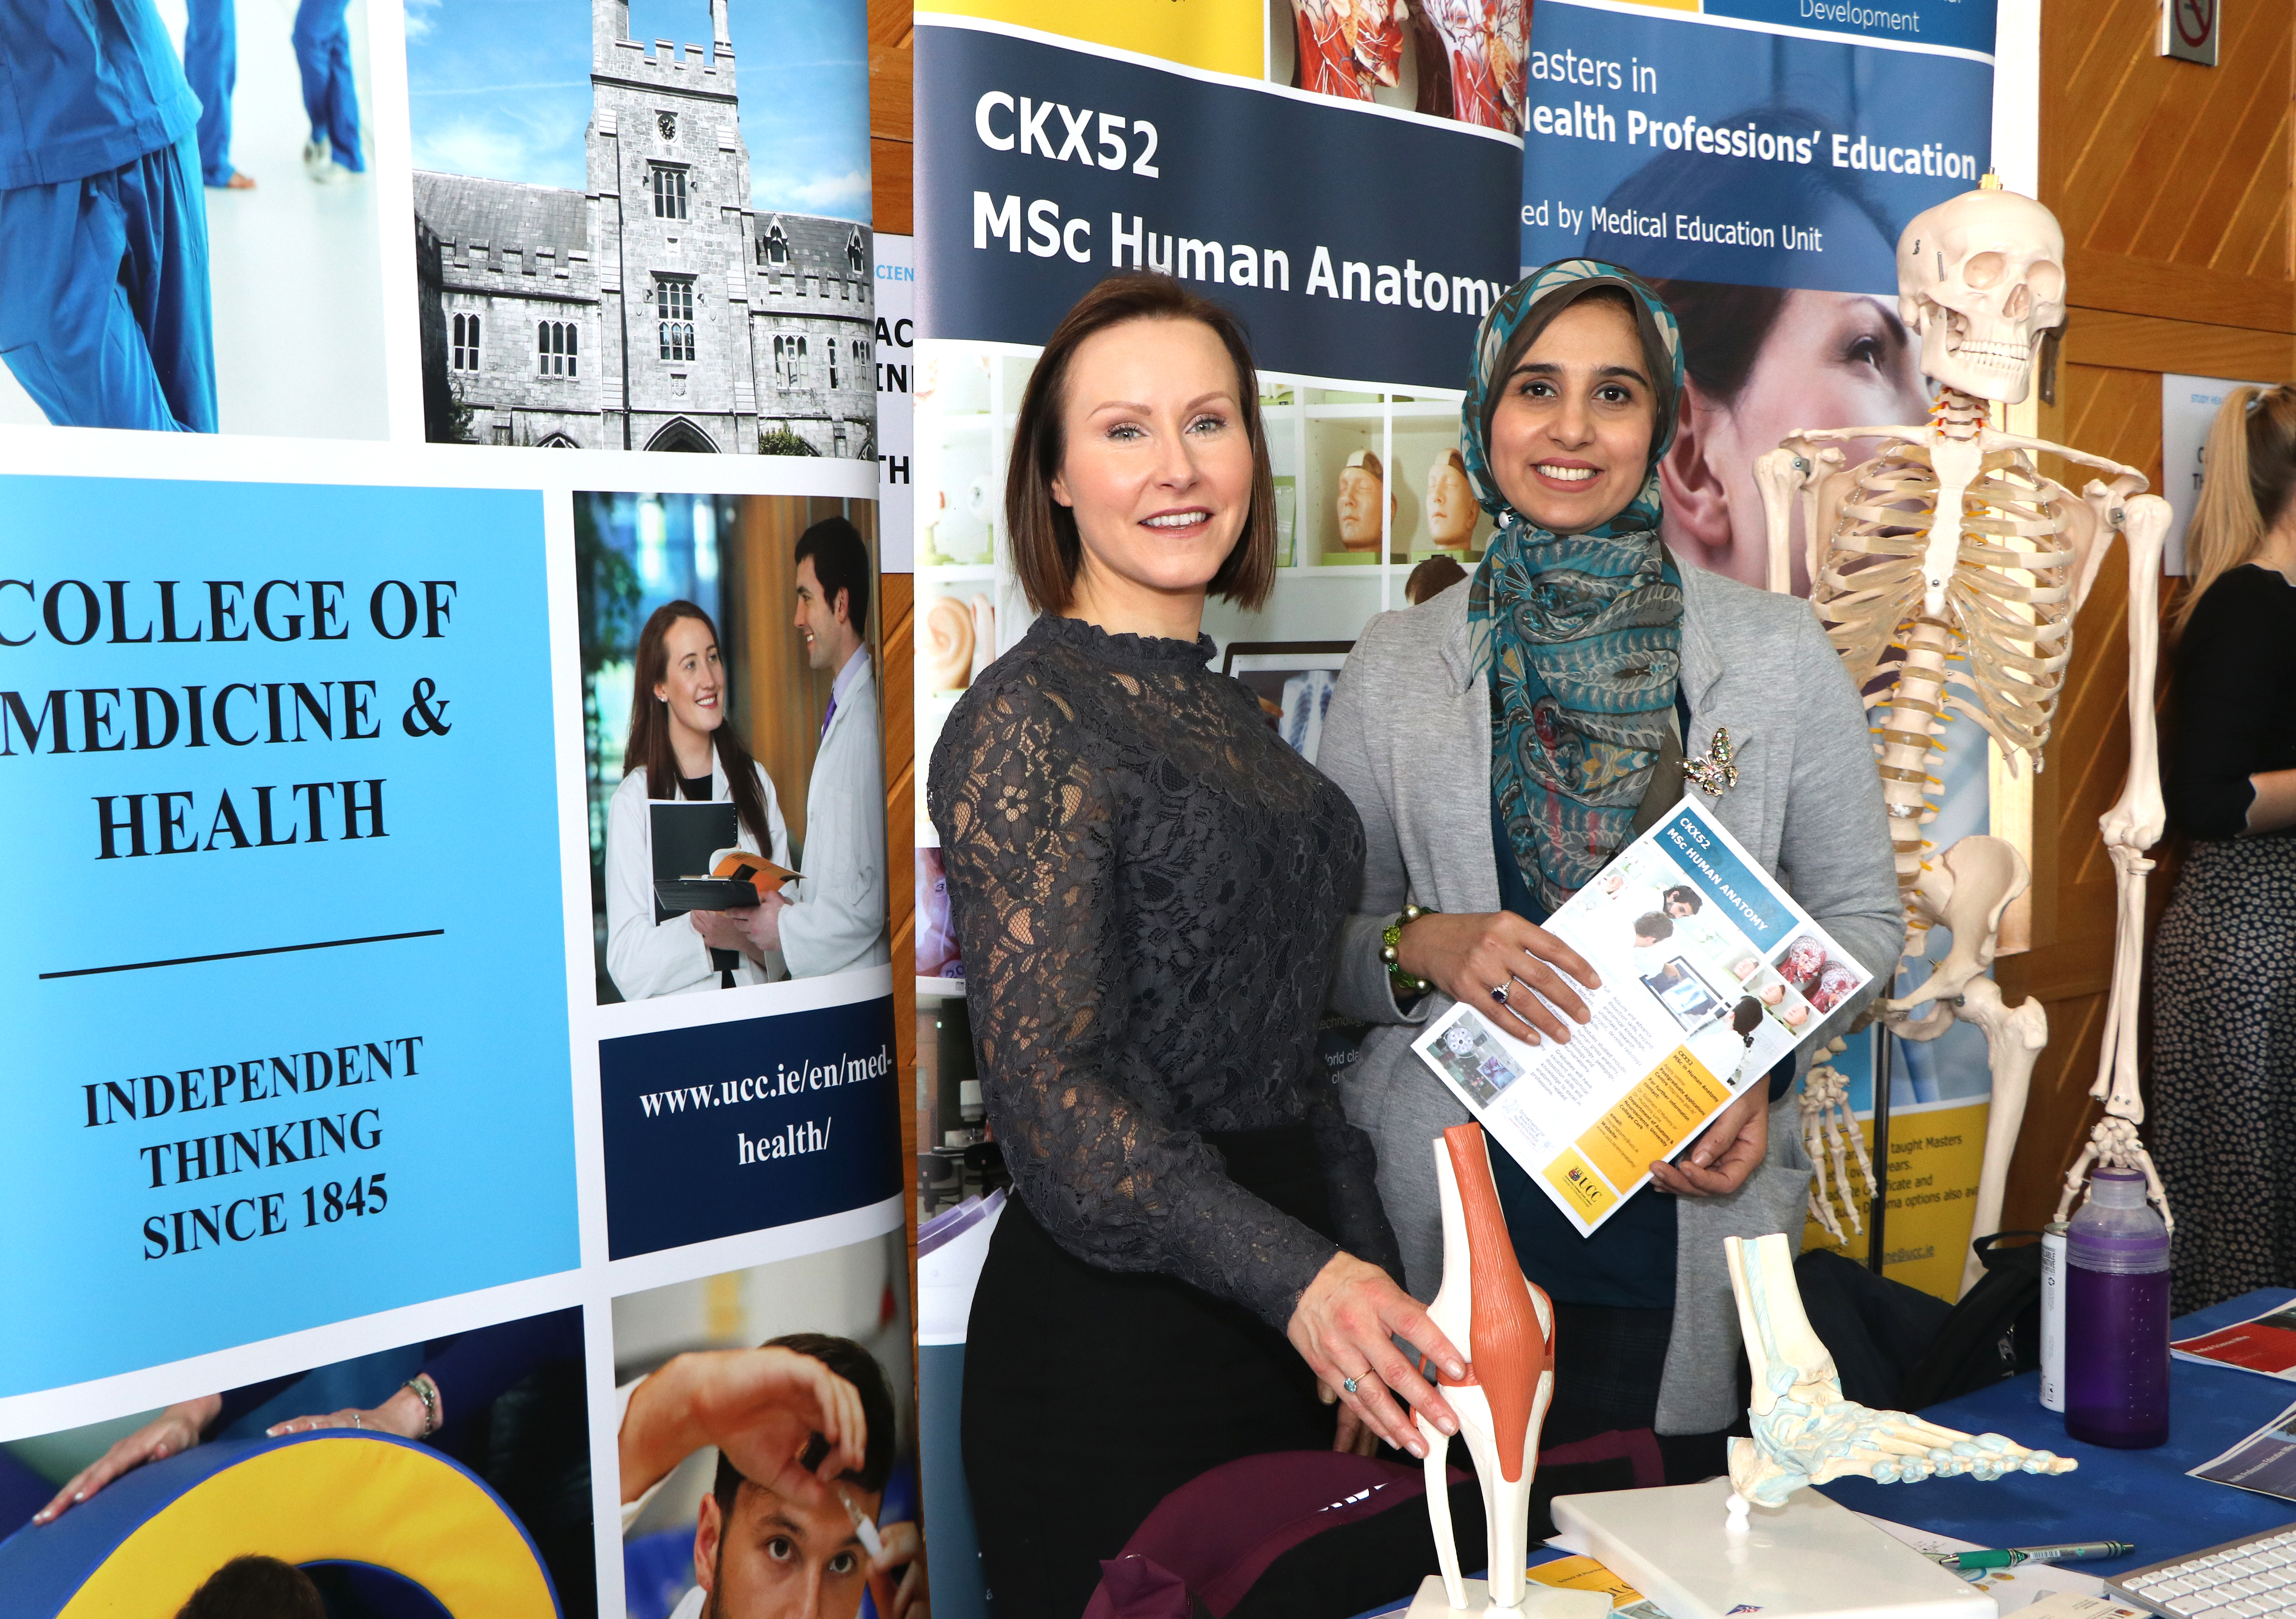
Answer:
x=428 y=1394
x=1405 y=983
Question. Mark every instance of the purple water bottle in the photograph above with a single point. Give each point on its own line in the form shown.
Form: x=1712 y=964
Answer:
x=2116 y=1316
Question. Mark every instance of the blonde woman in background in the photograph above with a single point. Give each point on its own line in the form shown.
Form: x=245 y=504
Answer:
x=2224 y=981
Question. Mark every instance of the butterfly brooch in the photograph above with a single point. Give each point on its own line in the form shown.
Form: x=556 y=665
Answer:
x=1715 y=773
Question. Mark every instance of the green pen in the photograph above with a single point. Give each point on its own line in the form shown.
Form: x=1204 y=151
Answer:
x=2009 y=1556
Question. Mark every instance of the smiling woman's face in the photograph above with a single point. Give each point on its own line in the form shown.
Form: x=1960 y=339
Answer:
x=693 y=685
x=1571 y=434
x=1157 y=465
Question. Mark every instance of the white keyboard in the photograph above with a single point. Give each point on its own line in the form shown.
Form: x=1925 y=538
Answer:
x=2239 y=1580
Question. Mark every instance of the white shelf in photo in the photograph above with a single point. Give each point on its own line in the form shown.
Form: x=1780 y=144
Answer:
x=1363 y=571
x=932 y=991
x=1425 y=410
x=958 y=573
x=1372 y=412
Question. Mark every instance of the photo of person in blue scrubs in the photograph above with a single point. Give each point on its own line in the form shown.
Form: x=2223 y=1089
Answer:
x=146 y=281
x=211 y=62
x=105 y=314
x=323 y=51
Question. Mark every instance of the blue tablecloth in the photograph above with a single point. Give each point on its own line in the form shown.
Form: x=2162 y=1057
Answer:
x=2140 y=1496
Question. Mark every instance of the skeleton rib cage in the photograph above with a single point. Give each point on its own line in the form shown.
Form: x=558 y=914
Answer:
x=2007 y=601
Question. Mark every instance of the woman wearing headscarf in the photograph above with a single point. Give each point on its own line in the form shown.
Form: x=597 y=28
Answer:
x=1503 y=741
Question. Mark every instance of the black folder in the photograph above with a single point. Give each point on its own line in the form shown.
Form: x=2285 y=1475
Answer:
x=685 y=834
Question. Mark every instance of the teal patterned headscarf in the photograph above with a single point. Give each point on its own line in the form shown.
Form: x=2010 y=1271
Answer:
x=1581 y=634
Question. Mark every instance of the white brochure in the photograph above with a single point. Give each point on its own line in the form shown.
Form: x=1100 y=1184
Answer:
x=1710 y=975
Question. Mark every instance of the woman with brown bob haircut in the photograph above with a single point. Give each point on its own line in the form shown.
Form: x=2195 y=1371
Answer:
x=1147 y=886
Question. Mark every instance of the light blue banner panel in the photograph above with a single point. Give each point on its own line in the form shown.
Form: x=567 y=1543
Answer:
x=1689 y=147
x=286 y=960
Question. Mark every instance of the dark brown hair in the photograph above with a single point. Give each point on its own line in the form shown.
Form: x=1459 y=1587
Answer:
x=255 y=1587
x=1722 y=330
x=858 y=1367
x=648 y=748
x=1046 y=551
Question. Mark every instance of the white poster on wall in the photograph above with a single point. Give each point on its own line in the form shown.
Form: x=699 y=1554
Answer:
x=897 y=342
x=2188 y=404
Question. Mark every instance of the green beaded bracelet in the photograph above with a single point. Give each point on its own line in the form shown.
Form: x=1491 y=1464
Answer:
x=1405 y=983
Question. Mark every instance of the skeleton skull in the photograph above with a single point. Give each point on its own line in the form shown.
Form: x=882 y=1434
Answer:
x=1981 y=279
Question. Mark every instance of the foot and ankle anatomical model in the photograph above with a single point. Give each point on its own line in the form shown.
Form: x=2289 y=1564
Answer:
x=1949 y=543
x=1805 y=1432
x=1506 y=1326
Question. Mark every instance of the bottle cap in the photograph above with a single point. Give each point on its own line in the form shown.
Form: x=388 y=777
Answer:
x=2116 y=1189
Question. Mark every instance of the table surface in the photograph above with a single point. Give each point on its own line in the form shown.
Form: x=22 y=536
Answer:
x=2139 y=1496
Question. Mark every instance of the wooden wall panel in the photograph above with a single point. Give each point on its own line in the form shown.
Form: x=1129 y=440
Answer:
x=2172 y=182
x=891 y=124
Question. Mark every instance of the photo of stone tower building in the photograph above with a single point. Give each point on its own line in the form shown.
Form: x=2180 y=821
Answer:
x=657 y=309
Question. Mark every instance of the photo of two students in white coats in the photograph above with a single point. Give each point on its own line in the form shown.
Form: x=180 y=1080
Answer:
x=682 y=746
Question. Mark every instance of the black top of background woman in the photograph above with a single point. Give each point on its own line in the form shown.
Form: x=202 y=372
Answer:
x=2230 y=770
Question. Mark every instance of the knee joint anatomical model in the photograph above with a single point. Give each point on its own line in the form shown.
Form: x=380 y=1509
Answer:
x=1950 y=545
x=1805 y=1432
x=1506 y=1326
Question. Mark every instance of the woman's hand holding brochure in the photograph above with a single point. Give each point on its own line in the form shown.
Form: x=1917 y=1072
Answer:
x=1469 y=957
x=1731 y=1148
x=1692 y=974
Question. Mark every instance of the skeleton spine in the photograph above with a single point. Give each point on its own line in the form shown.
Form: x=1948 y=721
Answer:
x=1907 y=735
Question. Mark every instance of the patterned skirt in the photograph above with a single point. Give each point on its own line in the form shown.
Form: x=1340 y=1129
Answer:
x=2223 y=1068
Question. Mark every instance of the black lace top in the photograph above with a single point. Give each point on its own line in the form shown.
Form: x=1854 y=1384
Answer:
x=1147 y=886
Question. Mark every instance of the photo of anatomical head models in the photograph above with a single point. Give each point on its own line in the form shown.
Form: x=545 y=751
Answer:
x=450 y=1475
x=735 y=769
x=766 y=1442
x=624 y=242
x=189 y=240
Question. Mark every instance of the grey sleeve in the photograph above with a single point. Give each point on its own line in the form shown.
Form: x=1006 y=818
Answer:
x=1834 y=845
x=1360 y=987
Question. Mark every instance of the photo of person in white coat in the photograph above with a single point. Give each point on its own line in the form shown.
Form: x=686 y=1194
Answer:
x=837 y=917
x=682 y=746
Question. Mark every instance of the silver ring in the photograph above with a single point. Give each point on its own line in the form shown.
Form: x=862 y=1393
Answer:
x=357 y=1421
x=1498 y=994
x=1350 y=1384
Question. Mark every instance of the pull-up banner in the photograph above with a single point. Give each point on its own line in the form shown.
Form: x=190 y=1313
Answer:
x=1041 y=168
x=1765 y=143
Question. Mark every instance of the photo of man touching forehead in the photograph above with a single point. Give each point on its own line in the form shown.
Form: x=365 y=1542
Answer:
x=804 y=1430
x=766 y=1441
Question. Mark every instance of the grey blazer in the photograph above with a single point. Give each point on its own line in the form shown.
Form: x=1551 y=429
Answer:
x=1408 y=738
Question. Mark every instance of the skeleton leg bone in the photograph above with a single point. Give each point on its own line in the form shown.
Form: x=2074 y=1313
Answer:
x=2013 y=1042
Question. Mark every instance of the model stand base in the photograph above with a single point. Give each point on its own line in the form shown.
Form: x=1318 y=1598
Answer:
x=1538 y=1602
x=1808 y=1559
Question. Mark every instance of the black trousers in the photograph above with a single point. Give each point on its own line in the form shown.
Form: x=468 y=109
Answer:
x=1091 y=1394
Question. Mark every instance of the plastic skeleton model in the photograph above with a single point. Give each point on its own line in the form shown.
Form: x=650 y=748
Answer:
x=1949 y=543
x=1349 y=47
x=1805 y=1432
x=1829 y=1134
x=1506 y=1326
